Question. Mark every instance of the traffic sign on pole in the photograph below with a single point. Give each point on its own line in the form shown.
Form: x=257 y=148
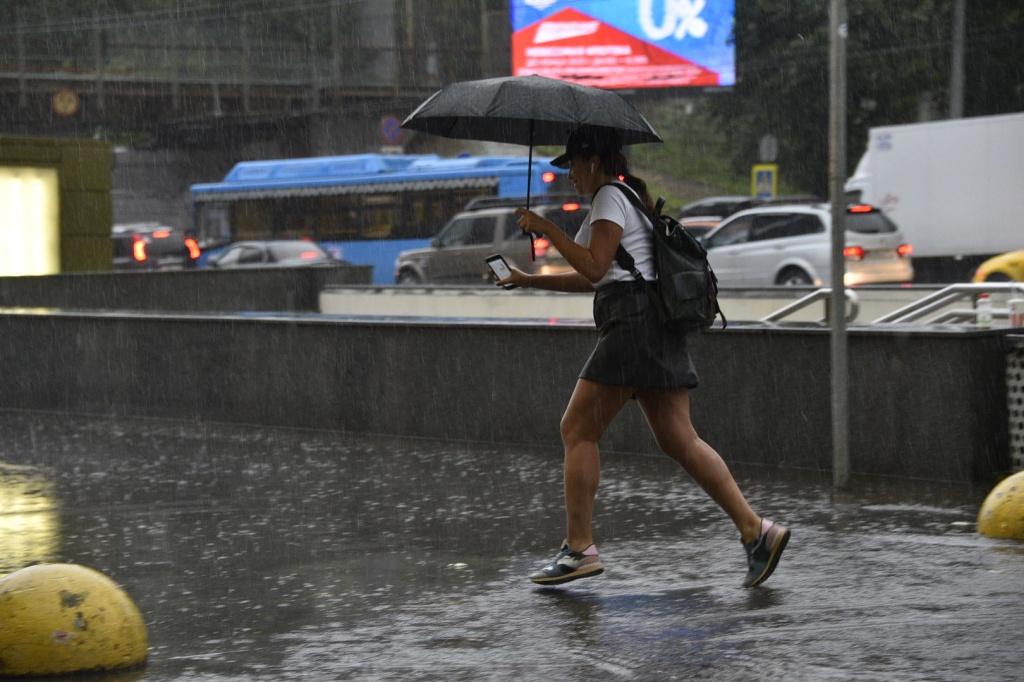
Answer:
x=391 y=130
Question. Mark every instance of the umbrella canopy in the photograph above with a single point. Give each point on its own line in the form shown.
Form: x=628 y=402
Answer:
x=527 y=110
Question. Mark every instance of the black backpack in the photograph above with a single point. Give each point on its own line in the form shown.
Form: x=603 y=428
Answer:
x=686 y=293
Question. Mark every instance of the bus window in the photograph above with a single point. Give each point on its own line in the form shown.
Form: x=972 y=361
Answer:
x=213 y=224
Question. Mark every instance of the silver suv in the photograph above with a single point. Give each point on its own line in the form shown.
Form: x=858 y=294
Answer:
x=456 y=255
x=792 y=245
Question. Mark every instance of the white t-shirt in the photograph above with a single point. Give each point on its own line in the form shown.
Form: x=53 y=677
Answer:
x=609 y=203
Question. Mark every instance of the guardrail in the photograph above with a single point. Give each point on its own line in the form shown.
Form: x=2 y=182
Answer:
x=852 y=306
x=939 y=302
x=935 y=304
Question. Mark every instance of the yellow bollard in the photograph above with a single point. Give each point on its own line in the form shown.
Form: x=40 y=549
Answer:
x=64 y=618
x=1002 y=513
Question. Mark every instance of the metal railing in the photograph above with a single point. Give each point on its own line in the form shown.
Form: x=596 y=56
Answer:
x=852 y=306
x=938 y=307
x=938 y=303
x=332 y=43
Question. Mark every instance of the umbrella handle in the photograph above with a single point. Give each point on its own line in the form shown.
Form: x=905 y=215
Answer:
x=529 y=180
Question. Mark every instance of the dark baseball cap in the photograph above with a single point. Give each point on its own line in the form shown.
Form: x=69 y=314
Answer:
x=587 y=140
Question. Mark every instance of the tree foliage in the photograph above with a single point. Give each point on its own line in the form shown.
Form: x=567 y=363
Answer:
x=899 y=60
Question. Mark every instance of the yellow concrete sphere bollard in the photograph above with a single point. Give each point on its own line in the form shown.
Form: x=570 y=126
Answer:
x=64 y=618
x=1002 y=513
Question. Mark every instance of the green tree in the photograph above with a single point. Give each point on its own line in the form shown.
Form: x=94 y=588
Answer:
x=995 y=57
x=898 y=72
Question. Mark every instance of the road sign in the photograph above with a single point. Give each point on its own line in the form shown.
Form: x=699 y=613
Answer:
x=391 y=130
x=764 y=180
x=768 y=149
x=65 y=102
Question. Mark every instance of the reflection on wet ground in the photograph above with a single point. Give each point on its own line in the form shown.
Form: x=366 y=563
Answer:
x=261 y=553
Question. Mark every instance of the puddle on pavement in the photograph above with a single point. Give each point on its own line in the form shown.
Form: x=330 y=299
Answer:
x=273 y=553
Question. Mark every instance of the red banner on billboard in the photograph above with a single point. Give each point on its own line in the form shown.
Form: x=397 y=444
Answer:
x=572 y=46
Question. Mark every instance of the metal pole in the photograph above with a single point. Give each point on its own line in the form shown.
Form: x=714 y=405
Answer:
x=246 y=66
x=837 y=176
x=314 y=65
x=485 y=42
x=335 y=45
x=22 y=64
x=956 y=76
x=98 y=57
x=177 y=58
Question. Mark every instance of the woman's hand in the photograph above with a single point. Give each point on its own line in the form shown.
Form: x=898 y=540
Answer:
x=518 y=278
x=532 y=222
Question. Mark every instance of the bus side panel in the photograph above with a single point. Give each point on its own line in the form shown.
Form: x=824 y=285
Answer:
x=379 y=253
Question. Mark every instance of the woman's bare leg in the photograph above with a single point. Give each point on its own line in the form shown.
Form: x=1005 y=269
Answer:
x=591 y=409
x=668 y=414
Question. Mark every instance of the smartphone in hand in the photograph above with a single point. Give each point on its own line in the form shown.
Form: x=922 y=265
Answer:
x=500 y=268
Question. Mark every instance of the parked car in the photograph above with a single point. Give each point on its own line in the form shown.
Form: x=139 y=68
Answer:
x=791 y=244
x=1006 y=267
x=720 y=208
x=283 y=253
x=715 y=207
x=487 y=226
x=152 y=246
x=700 y=226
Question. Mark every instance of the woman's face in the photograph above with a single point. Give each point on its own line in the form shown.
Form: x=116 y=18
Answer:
x=584 y=173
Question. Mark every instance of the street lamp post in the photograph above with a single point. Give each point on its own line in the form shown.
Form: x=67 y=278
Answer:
x=837 y=175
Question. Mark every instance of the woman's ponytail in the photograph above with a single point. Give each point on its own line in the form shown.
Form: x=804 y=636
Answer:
x=640 y=187
x=616 y=165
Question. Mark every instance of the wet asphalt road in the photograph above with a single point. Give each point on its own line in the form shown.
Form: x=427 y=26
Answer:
x=260 y=553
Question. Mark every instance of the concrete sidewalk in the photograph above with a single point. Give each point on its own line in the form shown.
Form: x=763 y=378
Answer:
x=259 y=553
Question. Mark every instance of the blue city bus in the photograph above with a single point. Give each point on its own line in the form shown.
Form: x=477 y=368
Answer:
x=363 y=208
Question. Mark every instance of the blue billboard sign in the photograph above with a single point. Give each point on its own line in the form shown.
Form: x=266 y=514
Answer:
x=619 y=44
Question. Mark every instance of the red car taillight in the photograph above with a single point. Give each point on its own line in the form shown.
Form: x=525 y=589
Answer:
x=541 y=246
x=193 y=248
x=904 y=250
x=854 y=252
x=139 y=248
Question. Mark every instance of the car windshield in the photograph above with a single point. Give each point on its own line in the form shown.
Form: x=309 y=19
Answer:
x=166 y=241
x=293 y=250
x=722 y=207
x=874 y=222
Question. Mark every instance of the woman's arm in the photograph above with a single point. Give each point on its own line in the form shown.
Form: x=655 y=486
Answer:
x=591 y=261
x=569 y=282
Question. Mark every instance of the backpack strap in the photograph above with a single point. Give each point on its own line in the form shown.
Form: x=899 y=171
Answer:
x=623 y=257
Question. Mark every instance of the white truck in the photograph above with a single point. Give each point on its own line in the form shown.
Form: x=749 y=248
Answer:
x=955 y=189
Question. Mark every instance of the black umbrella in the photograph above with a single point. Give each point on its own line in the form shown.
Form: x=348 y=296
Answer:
x=527 y=110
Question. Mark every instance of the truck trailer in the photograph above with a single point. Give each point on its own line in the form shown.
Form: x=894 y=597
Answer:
x=955 y=189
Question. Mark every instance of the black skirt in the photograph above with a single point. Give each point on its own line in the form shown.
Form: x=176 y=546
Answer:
x=633 y=347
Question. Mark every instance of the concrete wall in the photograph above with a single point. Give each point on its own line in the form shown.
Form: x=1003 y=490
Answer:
x=263 y=289
x=464 y=301
x=929 y=404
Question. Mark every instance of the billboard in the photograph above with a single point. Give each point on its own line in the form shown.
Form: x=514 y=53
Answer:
x=620 y=44
x=30 y=230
